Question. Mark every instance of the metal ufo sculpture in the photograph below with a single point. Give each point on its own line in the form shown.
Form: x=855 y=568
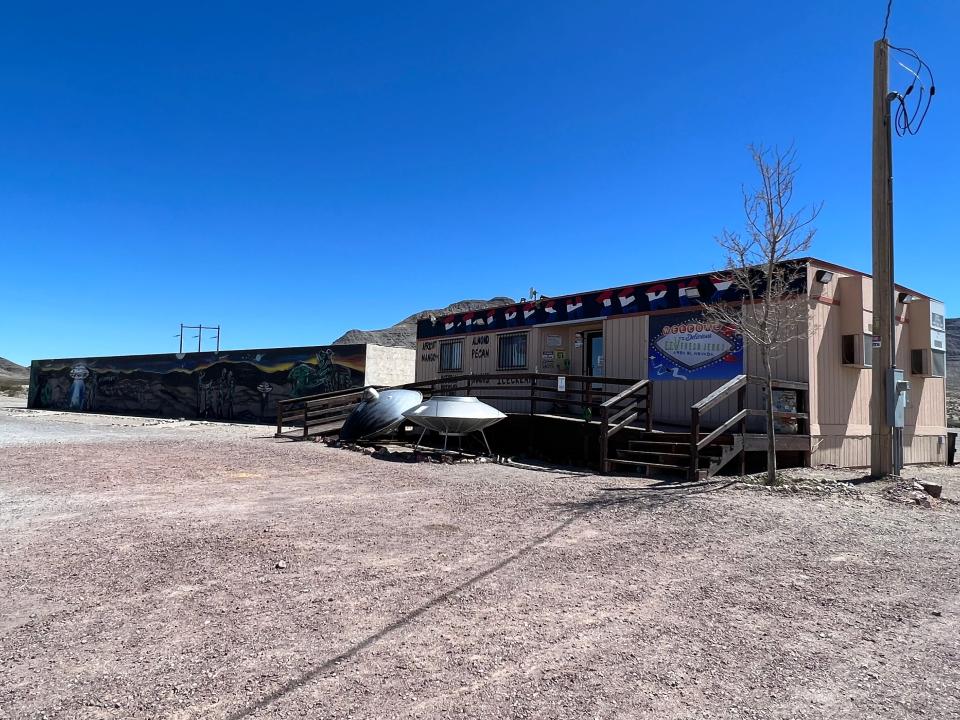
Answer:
x=454 y=416
x=378 y=414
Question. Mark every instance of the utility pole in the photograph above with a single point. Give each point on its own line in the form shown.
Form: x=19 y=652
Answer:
x=884 y=327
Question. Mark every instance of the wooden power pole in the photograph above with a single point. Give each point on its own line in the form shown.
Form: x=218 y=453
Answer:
x=884 y=328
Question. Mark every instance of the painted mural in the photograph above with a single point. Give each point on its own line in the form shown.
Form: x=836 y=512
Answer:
x=686 y=347
x=690 y=292
x=237 y=385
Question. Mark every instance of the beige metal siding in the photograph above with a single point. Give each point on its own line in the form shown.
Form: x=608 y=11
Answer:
x=480 y=357
x=626 y=345
x=840 y=395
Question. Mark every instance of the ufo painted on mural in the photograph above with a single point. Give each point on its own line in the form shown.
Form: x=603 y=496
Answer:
x=378 y=414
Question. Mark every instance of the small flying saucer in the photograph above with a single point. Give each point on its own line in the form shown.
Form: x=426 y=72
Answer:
x=378 y=414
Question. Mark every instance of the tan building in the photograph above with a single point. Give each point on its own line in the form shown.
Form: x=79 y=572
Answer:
x=653 y=330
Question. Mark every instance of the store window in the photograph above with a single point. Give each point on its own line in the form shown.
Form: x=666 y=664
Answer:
x=512 y=351
x=451 y=356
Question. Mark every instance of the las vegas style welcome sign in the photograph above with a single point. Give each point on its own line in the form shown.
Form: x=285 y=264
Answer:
x=686 y=347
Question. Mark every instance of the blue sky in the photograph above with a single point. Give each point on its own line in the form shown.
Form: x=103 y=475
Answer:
x=296 y=170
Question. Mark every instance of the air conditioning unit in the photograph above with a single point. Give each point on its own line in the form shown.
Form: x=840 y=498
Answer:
x=856 y=350
x=928 y=339
x=928 y=363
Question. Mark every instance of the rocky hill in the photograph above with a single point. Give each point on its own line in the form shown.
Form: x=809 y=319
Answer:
x=953 y=372
x=11 y=372
x=13 y=378
x=404 y=333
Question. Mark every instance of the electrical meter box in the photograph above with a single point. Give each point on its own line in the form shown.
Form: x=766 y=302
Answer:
x=897 y=396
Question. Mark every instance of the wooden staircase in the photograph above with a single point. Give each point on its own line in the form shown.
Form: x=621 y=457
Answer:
x=670 y=452
x=697 y=453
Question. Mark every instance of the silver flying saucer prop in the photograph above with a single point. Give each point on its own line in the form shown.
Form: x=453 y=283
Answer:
x=378 y=413
x=456 y=416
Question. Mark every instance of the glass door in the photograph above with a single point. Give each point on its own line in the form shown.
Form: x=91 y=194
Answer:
x=594 y=361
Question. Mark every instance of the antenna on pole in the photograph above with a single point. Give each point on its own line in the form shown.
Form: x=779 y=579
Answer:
x=199 y=336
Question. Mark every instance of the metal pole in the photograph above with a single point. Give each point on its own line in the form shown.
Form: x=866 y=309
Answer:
x=181 y=338
x=218 y=339
x=199 y=335
x=884 y=330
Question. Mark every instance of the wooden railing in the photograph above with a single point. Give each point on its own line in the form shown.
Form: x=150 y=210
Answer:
x=318 y=413
x=626 y=407
x=532 y=393
x=738 y=385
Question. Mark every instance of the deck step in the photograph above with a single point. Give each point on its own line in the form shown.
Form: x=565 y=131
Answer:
x=677 y=459
x=637 y=463
x=670 y=447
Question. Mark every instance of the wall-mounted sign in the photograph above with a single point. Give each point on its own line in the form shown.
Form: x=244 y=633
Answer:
x=686 y=347
x=554 y=341
x=561 y=383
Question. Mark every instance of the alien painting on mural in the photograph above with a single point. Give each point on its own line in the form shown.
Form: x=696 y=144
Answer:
x=78 y=389
x=215 y=398
x=327 y=376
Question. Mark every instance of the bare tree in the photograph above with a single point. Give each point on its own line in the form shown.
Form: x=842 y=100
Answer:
x=774 y=310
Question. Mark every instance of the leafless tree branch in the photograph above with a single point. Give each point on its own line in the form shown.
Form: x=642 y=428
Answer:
x=772 y=313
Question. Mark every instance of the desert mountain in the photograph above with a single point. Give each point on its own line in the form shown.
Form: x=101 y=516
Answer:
x=953 y=339
x=404 y=333
x=11 y=372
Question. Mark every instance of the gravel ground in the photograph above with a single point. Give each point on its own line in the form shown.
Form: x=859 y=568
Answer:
x=176 y=570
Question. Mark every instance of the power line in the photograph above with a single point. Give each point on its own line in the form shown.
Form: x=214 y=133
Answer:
x=886 y=20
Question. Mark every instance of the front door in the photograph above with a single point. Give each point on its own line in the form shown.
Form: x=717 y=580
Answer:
x=595 y=354
x=594 y=363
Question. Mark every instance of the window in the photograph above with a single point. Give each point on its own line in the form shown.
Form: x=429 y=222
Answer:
x=451 y=356
x=512 y=351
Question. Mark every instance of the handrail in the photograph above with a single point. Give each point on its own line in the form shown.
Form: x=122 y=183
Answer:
x=629 y=391
x=737 y=384
x=720 y=394
x=610 y=425
x=722 y=429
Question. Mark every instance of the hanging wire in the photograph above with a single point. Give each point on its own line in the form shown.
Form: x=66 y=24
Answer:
x=911 y=111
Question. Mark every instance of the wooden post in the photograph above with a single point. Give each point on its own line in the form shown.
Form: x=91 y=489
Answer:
x=305 y=421
x=694 y=441
x=741 y=404
x=604 y=439
x=649 y=389
x=884 y=357
x=279 y=420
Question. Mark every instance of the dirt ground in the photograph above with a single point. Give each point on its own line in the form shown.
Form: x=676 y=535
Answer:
x=181 y=570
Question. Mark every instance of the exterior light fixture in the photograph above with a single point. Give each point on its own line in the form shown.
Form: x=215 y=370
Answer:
x=906 y=298
x=823 y=276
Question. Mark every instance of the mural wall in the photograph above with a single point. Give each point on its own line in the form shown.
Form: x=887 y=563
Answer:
x=690 y=292
x=237 y=385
